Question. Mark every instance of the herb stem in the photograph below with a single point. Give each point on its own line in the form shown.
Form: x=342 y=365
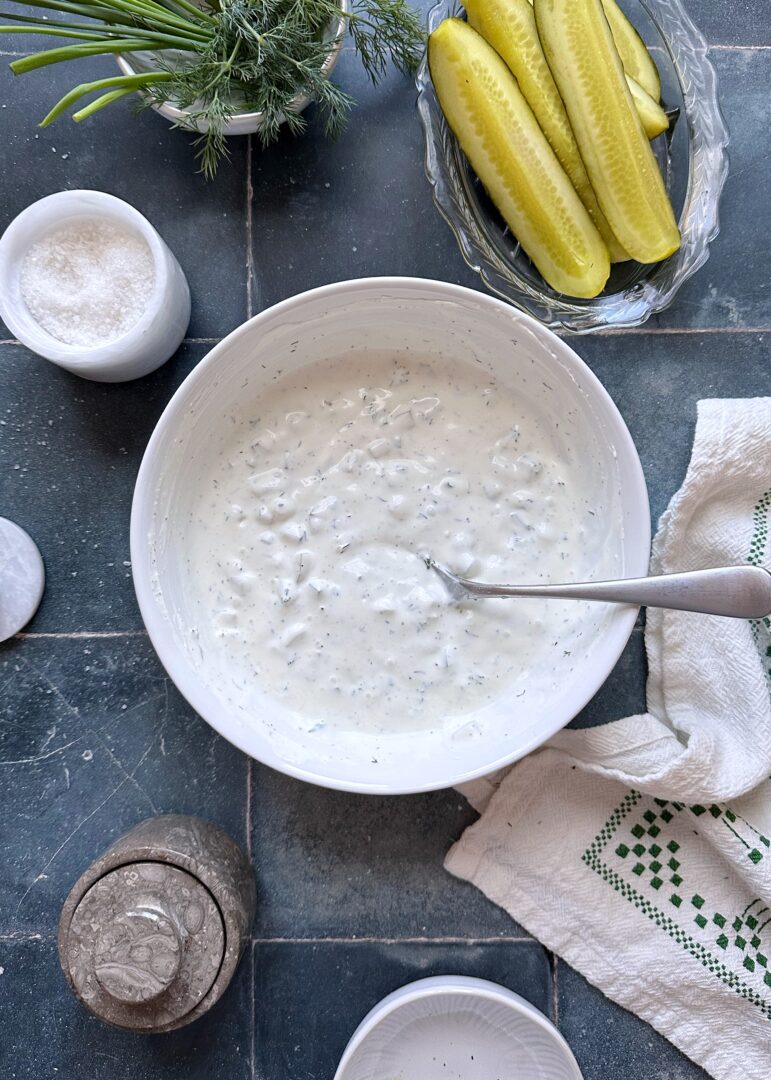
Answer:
x=52 y=30
x=128 y=83
x=160 y=12
x=77 y=30
x=124 y=12
x=87 y=10
x=74 y=52
x=99 y=103
x=146 y=10
x=41 y=29
x=191 y=9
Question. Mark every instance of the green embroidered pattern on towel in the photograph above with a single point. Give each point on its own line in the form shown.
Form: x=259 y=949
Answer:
x=761 y=628
x=648 y=851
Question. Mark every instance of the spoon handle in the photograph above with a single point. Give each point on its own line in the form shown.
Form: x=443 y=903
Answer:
x=740 y=592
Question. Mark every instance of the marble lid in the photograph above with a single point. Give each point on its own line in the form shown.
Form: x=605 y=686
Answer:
x=145 y=945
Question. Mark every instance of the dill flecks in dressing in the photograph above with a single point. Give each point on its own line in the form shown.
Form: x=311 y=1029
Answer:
x=307 y=530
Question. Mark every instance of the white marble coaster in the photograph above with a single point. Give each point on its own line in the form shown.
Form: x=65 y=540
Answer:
x=22 y=578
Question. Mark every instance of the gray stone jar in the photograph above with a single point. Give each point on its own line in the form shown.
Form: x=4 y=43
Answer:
x=151 y=934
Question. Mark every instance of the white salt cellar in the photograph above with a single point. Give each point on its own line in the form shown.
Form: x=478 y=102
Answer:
x=88 y=283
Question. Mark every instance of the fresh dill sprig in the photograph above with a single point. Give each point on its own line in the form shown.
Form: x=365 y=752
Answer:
x=384 y=30
x=260 y=58
x=238 y=56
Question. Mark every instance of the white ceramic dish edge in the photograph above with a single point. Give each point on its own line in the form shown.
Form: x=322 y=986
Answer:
x=636 y=547
x=461 y=985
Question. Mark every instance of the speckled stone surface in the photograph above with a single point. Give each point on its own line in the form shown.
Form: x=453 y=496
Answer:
x=352 y=898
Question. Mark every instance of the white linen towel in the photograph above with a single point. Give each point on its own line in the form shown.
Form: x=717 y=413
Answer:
x=639 y=851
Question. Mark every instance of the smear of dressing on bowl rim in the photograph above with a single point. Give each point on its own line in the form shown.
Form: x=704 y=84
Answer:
x=303 y=543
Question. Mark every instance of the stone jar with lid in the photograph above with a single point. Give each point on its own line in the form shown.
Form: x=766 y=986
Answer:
x=151 y=934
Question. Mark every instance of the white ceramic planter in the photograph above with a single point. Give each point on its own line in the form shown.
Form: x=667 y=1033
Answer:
x=148 y=343
x=245 y=123
x=397 y=314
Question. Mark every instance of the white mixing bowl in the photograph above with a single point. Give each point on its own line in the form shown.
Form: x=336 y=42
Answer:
x=383 y=313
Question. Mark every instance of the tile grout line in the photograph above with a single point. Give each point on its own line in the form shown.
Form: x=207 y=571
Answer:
x=252 y=946
x=32 y=935
x=639 y=331
x=249 y=808
x=185 y=341
x=739 y=48
x=736 y=46
x=25 y=936
x=80 y=634
x=471 y=941
x=555 y=1002
x=252 y=1025
x=249 y=230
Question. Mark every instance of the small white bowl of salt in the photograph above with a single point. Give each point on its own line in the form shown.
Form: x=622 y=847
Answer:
x=88 y=283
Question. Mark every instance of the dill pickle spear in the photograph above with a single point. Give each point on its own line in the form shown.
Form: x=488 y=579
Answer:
x=636 y=59
x=508 y=151
x=587 y=69
x=653 y=118
x=509 y=26
x=642 y=100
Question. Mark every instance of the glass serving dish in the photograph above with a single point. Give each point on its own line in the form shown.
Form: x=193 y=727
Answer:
x=692 y=156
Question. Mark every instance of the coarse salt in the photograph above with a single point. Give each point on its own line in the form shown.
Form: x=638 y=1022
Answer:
x=88 y=282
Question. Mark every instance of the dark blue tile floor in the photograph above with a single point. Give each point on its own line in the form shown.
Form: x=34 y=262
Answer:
x=353 y=900
x=46 y=1032
x=69 y=453
x=93 y=738
x=608 y=1041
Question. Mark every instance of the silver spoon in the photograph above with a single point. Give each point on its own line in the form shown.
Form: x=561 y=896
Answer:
x=739 y=592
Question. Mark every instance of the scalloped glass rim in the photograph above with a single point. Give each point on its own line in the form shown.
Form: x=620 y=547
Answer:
x=656 y=287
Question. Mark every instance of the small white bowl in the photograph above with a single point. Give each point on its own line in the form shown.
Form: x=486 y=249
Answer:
x=456 y=1028
x=242 y=123
x=148 y=343
x=399 y=314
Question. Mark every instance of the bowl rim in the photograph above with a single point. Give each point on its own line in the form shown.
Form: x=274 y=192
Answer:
x=636 y=547
x=678 y=30
x=452 y=986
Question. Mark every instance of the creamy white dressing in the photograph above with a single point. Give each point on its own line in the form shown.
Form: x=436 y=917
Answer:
x=306 y=533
